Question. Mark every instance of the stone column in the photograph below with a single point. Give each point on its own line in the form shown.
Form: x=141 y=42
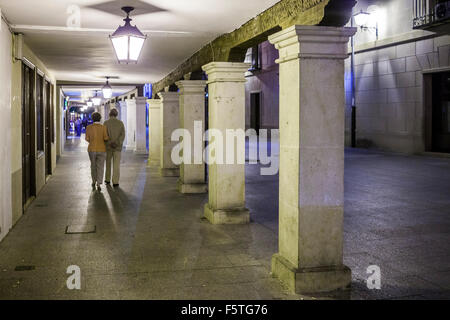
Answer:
x=123 y=118
x=192 y=109
x=154 y=131
x=226 y=183
x=311 y=195
x=170 y=121
x=107 y=109
x=141 y=126
x=131 y=124
x=101 y=110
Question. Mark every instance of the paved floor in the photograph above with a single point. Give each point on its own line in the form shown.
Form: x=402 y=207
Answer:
x=152 y=243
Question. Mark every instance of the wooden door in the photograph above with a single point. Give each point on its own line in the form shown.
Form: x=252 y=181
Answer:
x=28 y=154
x=48 y=128
x=441 y=112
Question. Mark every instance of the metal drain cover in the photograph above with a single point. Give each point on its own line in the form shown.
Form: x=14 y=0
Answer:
x=24 y=268
x=81 y=229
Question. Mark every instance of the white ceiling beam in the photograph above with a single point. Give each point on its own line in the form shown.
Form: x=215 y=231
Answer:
x=24 y=27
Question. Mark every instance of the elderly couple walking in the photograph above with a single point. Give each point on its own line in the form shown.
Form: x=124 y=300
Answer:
x=105 y=143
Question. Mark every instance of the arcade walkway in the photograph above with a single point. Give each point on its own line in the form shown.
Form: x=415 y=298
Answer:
x=151 y=243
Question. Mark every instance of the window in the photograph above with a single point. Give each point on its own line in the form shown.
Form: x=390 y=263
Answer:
x=254 y=58
x=256 y=65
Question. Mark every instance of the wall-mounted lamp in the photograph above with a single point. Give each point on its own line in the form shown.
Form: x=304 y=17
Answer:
x=362 y=18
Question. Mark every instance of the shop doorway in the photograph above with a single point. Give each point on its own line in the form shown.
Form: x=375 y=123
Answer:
x=437 y=112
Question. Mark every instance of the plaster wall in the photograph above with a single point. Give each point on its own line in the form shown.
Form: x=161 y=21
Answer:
x=5 y=124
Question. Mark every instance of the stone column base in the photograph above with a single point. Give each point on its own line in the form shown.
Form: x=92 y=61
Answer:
x=311 y=280
x=191 y=188
x=153 y=162
x=229 y=216
x=140 y=152
x=169 y=172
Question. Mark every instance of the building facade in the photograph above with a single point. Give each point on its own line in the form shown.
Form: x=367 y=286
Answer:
x=401 y=76
x=401 y=80
x=262 y=88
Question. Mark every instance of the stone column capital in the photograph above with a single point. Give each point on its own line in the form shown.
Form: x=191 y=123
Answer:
x=131 y=102
x=312 y=42
x=141 y=100
x=191 y=86
x=226 y=71
x=168 y=96
x=154 y=103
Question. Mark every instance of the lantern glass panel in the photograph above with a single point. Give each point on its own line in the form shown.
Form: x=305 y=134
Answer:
x=107 y=93
x=136 y=45
x=121 y=47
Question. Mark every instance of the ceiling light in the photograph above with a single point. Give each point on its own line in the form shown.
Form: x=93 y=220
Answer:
x=96 y=100
x=107 y=90
x=127 y=40
x=89 y=103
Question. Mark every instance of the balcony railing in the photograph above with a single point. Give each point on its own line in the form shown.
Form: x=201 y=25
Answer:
x=423 y=11
x=429 y=13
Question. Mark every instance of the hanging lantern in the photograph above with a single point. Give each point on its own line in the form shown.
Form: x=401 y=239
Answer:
x=96 y=100
x=107 y=90
x=127 y=40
